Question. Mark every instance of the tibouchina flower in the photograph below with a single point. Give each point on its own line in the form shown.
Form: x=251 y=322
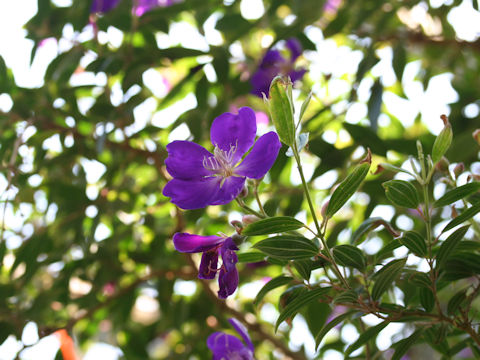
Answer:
x=103 y=6
x=211 y=246
x=201 y=178
x=143 y=6
x=273 y=64
x=229 y=347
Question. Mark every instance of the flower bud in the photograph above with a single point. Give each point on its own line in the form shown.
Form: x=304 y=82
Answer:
x=238 y=225
x=476 y=136
x=249 y=219
x=442 y=164
x=458 y=169
x=244 y=192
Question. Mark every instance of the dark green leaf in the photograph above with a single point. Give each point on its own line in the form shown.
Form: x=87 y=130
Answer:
x=300 y=301
x=272 y=225
x=401 y=193
x=272 y=284
x=251 y=257
x=347 y=188
x=458 y=193
x=464 y=216
x=404 y=345
x=426 y=299
x=386 y=276
x=304 y=268
x=346 y=297
x=375 y=103
x=421 y=279
x=348 y=255
x=367 y=226
x=331 y=324
x=288 y=247
x=415 y=243
x=365 y=336
x=455 y=302
x=449 y=245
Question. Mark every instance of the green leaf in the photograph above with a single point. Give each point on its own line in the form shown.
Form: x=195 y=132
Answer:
x=442 y=142
x=300 y=301
x=421 y=279
x=272 y=284
x=415 y=243
x=272 y=225
x=347 y=188
x=449 y=245
x=386 y=276
x=304 y=268
x=302 y=141
x=399 y=60
x=388 y=249
x=401 y=193
x=404 y=345
x=369 y=225
x=348 y=255
x=346 y=297
x=456 y=301
x=365 y=336
x=251 y=257
x=288 y=247
x=305 y=104
x=281 y=109
x=426 y=299
x=464 y=216
x=331 y=324
x=458 y=193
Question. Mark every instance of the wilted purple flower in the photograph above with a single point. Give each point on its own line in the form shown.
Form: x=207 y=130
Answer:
x=103 y=6
x=273 y=64
x=229 y=347
x=201 y=178
x=210 y=246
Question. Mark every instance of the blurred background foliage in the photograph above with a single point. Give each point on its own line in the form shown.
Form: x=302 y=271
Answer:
x=86 y=233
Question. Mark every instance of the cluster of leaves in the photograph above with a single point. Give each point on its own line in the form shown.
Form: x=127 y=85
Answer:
x=112 y=233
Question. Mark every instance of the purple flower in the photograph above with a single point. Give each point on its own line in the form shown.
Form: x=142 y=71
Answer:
x=229 y=347
x=201 y=178
x=143 y=6
x=210 y=246
x=273 y=64
x=103 y=6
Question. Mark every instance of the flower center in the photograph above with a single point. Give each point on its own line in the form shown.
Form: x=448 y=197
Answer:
x=222 y=162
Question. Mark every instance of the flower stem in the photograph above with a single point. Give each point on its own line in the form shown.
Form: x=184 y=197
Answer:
x=314 y=216
x=255 y=192
x=249 y=209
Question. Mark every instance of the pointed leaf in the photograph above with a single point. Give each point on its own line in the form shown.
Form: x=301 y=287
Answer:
x=365 y=336
x=401 y=193
x=347 y=188
x=426 y=299
x=458 y=193
x=415 y=243
x=449 y=245
x=348 y=255
x=346 y=297
x=304 y=268
x=331 y=324
x=251 y=257
x=288 y=247
x=456 y=301
x=404 y=345
x=386 y=276
x=305 y=104
x=464 y=216
x=300 y=301
x=272 y=284
x=421 y=279
x=272 y=225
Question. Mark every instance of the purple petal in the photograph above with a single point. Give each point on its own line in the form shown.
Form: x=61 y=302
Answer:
x=103 y=6
x=242 y=330
x=261 y=80
x=223 y=345
x=272 y=58
x=229 y=257
x=208 y=265
x=228 y=190
x=191 y=243
x=185 y=160
x=264 y=153
x=193 y=194
x=234 y=130
x=296 y=74
x=142 y=6
x=228 y=282
x=295 y=48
